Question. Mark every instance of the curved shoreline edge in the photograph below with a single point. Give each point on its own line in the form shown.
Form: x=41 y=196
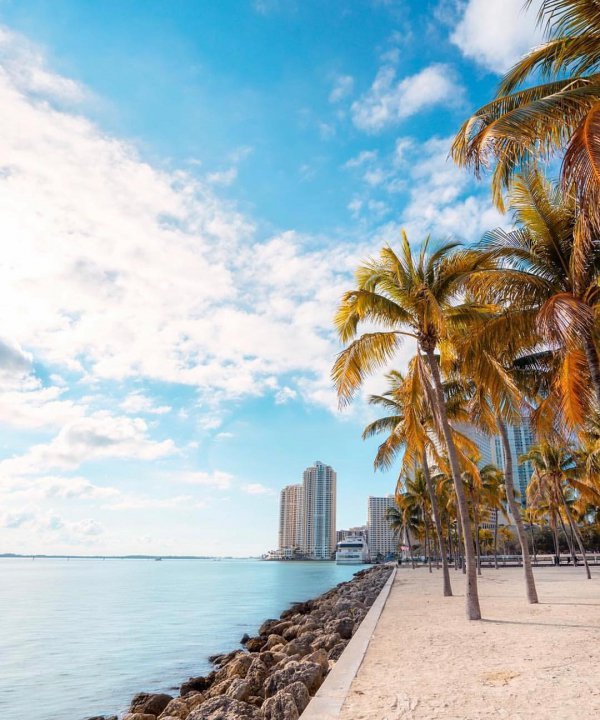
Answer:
x=278 y=673
x=329 y=699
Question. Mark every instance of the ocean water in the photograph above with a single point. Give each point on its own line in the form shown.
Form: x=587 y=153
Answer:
x=80 y=637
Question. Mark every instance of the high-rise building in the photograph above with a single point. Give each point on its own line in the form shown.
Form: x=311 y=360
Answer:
x=291 y=517
x=381 y=538
x=520 y=438
x=358 y=531
x=319 y=499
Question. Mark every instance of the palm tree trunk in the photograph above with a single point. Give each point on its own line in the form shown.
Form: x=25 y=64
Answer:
x=496 y=539
x=591 y=353
x=460 y=545
x=427 y=543
x=515 y=511
x=556 y=538
x=438 y=526
x=471 y=594
x=477 y=540
x=576 y=532
x=410 y=547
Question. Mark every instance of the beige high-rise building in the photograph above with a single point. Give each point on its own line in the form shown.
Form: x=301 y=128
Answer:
x=291 y=517
x=319 y=500
x=381 y=538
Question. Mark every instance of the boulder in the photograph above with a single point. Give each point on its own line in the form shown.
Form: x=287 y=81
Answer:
x=291 y=632
x=320 y=658
x=327 y=641
x=239 y=689
x=193 y=699
x=238 y=667
x=139 y=716
x=255 y=644
x=150 y=703
x=198 y=684
x=343 y=626
x=280 y=707
x=219 y=688
x=336 y=651
x=256 y=676
x=225 y=708
x=273 y=640
x=245 y=638
x=308 y=673
x=300 y=694
x=265 y=628
x=299 y=646
x=102 y=717
x=176 y=708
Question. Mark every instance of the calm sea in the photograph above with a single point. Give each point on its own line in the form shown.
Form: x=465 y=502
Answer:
x=80 y=637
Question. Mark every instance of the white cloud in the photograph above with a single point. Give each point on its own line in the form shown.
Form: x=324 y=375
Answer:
x=222 y=177
x=55 y=487
x=496 y=33
x=217 y=479
x=284 y=395
x=343 y=86
x=142 y=502
x=95 y=437
x=137 y=402
x=257 y=489
x=389 y=100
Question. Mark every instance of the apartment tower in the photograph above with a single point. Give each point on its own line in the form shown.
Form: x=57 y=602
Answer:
x=319 y=496
x=291 y=517
x=381 y=538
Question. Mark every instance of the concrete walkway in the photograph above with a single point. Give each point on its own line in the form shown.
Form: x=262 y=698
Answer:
x=523 y=662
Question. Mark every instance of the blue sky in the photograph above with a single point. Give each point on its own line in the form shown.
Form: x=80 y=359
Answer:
x=185 y=188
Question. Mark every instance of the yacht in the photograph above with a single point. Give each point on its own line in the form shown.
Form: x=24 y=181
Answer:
x=352 y=551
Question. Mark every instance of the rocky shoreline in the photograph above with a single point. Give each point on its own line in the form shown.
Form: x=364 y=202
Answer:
x=277 y=672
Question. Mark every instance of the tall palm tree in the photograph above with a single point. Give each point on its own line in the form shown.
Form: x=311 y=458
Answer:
x=524 y=125
x=555 y=469
x=407 y=428
x=550 y=292
x=416 y=296
x=404 y=523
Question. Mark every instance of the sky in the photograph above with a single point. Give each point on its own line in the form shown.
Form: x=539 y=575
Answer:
x=185 y=190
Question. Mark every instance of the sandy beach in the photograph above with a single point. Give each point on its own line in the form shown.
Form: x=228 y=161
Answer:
x=426 y=661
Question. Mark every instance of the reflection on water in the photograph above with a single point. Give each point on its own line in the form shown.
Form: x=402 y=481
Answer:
x=82 y=636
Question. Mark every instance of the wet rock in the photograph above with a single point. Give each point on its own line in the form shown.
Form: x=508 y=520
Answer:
x=245 y=638
x=150 y=703
x=225 y=708
x=308 y=673
x=198 y=684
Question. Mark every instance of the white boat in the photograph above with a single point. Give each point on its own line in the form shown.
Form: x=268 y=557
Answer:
x=352 y=551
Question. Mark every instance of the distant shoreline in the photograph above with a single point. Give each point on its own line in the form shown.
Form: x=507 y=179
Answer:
x=41 y=556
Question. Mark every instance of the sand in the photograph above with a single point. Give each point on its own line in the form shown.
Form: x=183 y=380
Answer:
x=522 y=661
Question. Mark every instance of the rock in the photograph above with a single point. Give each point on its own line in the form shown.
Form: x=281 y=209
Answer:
x=225 y=708
x=193 y=699
x=344 y=627
x=198 y=684
x=336 y=651
x=139 y=716
x=274 y=640
x=239 y=689
x=265 y=628
x=256 y=676
x=255 y=644
x=169 y=717
x=308 y=673
x=102 y=717
x=238 y=667
x=291 y=632
x=150 y=703
x=225 y=658
x=327 y=641
x=219 y=688
x=245 y=638
x=176 y=708
x=280 y=707
x=300 y=694
x=299 y=646
x=320 y=658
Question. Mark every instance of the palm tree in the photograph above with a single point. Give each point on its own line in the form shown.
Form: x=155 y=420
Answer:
x=415 y=296
x=403 y=521
x=554 y=473
x=525 y=125
x=407 y=428
x=549 y=290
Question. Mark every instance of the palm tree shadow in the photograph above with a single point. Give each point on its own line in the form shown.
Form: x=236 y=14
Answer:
x=574 y=604
x=540 y=624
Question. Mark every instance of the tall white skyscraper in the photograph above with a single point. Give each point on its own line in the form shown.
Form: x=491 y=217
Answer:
x=319 y=500
x=291 y=517
x=381 y=537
